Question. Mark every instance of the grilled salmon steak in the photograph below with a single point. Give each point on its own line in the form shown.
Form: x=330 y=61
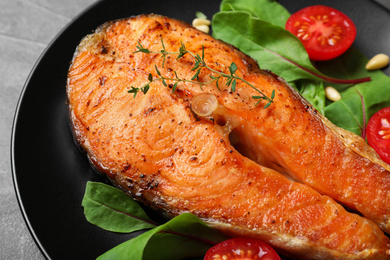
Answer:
x=283 y=174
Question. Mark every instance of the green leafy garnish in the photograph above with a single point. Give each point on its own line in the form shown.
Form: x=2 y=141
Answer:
x=200 y=63
x=348 y=112
x=273 y=47
x=312 y=91
x=182 y=237
x=111 y=209
x=256 y=27
x=267 y=11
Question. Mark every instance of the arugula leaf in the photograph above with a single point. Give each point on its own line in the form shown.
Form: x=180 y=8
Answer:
x=267 y=10
x=182 y=237
x=111 y=209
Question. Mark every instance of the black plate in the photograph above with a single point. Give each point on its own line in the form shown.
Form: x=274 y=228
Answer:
x=49 y=171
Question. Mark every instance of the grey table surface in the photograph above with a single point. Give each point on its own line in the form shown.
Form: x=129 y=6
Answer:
x=26 y=28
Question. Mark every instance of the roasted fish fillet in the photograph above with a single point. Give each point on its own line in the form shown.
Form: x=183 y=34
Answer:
x=283 y=174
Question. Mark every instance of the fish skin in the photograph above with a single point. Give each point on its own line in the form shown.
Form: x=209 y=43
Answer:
x=230 y=171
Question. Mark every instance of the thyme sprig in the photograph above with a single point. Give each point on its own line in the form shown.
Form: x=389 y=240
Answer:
x=200 y=63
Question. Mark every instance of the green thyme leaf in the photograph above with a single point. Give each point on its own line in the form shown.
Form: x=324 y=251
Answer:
x=163 y=63
x=162 y=43
x=217 y=84
x=233 y=86
x=229 y=82
x=141 y=48
x=133 y=90
x=232 y=68
x=158 y=72
x=196 y=76
x=182 y=51
x=267 y=105
x=145 y=88
x=174 y=87
x=198 y=65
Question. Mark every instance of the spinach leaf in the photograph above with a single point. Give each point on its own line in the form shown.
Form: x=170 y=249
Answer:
x=182 y=237
x=312 y=91
x=273 y=47
x=267 y=10
x=268 y=44
x=111 y=209
x=347 y=66
x=348 y=112
x=277 y=50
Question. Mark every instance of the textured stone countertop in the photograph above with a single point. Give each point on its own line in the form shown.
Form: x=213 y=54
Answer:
x=26 y=28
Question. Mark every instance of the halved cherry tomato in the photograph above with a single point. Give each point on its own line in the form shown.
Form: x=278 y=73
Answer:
x=378 y=133
x=324 y=31
x=242 y=249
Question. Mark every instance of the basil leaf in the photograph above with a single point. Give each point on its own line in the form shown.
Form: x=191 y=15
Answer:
x=111 y=209
x=267 y=10
x=270 y=45
x=182 y=237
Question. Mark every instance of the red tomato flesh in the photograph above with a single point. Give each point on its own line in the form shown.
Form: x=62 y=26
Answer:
x=242 y=249
x=324 y=31
x=378 y=133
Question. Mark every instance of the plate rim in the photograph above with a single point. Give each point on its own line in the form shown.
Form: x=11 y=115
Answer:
x=16 y=117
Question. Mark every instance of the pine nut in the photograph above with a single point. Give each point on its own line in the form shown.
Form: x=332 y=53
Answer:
x=200 y=21
x=204 y=28
x=332 y=94
x=377 y=62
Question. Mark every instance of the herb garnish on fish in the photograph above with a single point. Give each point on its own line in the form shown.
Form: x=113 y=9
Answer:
x=200 y=63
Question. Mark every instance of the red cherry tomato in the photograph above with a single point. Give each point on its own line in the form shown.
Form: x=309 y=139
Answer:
x=324 y=31
x=242 y=249
x=378 y=133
